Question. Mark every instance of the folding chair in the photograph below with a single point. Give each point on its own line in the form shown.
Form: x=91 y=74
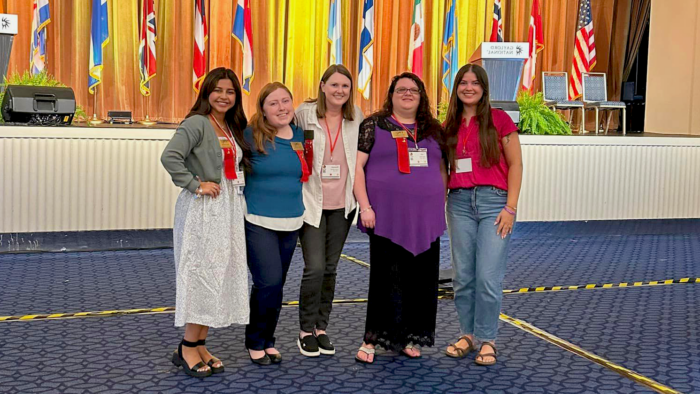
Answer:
x=555 y=89
x=595 y=96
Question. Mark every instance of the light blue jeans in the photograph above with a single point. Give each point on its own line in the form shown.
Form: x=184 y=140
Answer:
x=478 y=258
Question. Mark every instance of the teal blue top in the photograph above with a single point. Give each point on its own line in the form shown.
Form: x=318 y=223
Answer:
x=273 y=188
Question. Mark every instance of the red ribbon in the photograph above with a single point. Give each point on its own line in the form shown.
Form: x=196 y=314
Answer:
x=304 y=168
x=402 y=151
x=309 y=153
x=230 y=163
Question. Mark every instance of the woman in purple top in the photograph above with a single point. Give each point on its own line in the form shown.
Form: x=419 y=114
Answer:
x=400 y=181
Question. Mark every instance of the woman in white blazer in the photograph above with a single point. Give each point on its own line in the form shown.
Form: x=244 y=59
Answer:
x=329 y=201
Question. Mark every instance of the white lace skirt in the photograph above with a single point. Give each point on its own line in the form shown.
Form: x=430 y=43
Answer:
x=210 y=259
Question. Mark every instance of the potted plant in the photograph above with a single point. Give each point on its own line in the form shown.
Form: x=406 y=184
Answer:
x=537 y=118
x=41 y=79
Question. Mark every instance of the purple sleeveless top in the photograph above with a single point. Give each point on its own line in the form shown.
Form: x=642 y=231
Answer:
x=409 y=208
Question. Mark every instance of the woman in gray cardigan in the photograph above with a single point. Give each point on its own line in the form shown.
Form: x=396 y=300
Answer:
x=205 y=157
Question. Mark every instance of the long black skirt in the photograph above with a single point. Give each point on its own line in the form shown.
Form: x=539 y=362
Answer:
x=402 y=301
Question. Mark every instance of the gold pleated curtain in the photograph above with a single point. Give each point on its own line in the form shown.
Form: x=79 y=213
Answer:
x=290 y=45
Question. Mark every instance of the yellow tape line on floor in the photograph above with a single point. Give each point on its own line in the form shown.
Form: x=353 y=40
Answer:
x=540 y=289
x=641 y=379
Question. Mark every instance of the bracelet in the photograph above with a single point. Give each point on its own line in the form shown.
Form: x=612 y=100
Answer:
x=199 y=191
x=509 y=210
x=365 y=210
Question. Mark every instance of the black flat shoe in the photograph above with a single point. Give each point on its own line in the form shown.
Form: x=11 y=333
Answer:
x=179 y=361
x=264 y=360
x=213 y=360
x=275 y=358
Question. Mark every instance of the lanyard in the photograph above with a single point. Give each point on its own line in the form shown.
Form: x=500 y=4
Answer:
x=230 y=162
x=414 y=136
x=464 y=141
x=330 y=141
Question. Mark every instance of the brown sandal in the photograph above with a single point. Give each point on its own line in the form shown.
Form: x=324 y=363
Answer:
x=482 y=356
x=460 y=352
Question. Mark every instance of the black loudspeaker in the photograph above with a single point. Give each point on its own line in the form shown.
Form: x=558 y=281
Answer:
x=38 y=105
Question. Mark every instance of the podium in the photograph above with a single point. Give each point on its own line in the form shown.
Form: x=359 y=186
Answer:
x=8 y=30
x=503 y=62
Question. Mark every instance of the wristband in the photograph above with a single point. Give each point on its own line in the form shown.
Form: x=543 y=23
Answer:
x=509 y=210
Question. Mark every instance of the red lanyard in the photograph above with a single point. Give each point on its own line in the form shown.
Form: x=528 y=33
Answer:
x=328 y=129
x=466 y=138
x=414 y=136
x=229 y=153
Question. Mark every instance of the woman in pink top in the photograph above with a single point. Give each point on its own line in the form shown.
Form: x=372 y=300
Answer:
x=484 y=184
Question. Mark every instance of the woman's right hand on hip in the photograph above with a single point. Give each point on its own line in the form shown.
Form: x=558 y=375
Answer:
x=209 y=189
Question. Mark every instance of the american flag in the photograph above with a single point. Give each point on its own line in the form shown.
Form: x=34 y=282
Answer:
x=584 y=52
x=147 y=46
x=199 y=65
x=497 y=28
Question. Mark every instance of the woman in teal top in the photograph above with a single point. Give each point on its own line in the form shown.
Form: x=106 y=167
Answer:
x=275 y=211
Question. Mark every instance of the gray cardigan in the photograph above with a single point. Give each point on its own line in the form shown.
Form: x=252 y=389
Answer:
x=193 y=151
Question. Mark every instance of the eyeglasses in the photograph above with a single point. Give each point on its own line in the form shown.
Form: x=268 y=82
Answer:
x=402 y=91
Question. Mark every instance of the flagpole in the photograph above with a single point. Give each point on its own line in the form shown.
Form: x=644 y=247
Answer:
x=94 y=120
x=147 y=120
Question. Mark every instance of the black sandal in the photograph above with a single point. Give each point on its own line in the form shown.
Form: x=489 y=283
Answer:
x=179 y=361
x=460 y=352
x=482 y=356
x=213 y=360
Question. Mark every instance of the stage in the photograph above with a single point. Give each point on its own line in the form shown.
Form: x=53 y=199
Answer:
x=110 y=178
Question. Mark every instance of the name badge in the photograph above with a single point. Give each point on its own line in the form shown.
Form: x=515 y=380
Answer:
x=418 y=157
x=240 y=179
x=330 y=171
x=297 y=146
x=399 y=134
x=464 y=165
x=225 y=144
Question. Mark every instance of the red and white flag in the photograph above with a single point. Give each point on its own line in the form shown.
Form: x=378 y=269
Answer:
x=415 y=51
x=535 y=38
x=199 y=65
x=147 y=46
x=497 y=26
x=584 y=51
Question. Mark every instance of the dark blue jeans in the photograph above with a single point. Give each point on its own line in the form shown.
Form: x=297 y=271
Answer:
x=269 y=255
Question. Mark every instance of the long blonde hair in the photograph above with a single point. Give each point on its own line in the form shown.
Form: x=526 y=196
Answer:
x=262 y=130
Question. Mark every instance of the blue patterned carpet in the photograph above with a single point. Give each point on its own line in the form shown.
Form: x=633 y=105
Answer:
x=654 y=331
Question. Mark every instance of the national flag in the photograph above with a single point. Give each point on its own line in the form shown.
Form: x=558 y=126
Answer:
x=497 y=28
x=536 y=40
x=40 y=18
x=584 y=51
x=366 y=49
x=201 y=35
x=243 y=33
x=415 y=51
x=99 y=37
x=335 y=32
x=450 y=62
x=147 y=46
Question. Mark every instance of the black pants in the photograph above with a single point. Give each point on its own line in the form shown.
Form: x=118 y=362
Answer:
x=402 y=301
x=269 y=255
x=321 y=247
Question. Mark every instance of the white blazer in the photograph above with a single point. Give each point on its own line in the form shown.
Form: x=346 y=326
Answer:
x=313 y=190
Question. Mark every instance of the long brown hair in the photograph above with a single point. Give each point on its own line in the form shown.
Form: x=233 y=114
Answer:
x=426 y=123
x=320 y=100
x=234 y=117
x=263 y=131
x=488 y=136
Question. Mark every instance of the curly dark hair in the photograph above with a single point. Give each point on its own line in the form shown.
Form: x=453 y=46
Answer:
x=426 y=123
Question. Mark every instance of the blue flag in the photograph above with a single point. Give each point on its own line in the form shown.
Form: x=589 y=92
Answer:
x=99 y=37
x=450 y=62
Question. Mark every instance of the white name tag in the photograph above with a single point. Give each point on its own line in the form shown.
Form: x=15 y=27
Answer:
x=330 y=171
x=240 y=179
x=418 y=157
x=464 y=165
